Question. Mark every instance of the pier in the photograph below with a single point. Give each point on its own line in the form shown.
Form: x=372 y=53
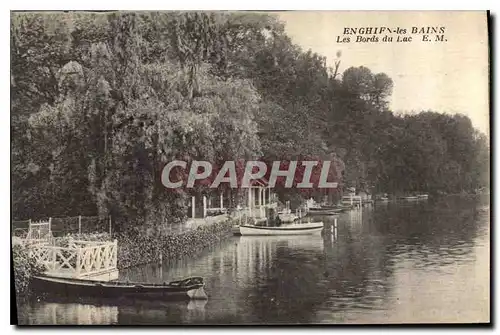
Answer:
x=95 y=260
x=80 y=260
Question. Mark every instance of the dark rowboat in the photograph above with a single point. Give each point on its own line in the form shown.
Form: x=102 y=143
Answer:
x=190 y=288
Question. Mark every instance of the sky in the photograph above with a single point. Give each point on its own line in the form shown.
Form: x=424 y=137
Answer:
x=450 y=77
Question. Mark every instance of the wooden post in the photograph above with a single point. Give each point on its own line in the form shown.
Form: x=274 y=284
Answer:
x=250 y=200
x=335 y=223
x=50 y=225
x=115 y=253
x=221 y=201
x=193 y=204
x=110 y=225
x=79 y=225
x=204 y=206
x=78 y=266
x=54 y=257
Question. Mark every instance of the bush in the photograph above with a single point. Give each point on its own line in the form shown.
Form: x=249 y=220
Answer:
x=141 y=248
x=24 y=267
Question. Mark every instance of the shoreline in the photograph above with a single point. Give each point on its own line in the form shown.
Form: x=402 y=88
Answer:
x=141 y=249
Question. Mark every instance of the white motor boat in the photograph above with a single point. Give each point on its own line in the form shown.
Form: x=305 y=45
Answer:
x=289 y=229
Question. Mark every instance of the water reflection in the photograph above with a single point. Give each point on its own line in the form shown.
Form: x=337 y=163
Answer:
x=57 y=313
x=101 y=311
x=419 y=262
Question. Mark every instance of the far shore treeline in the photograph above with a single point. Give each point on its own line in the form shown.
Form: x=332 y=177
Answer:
x=100 y=102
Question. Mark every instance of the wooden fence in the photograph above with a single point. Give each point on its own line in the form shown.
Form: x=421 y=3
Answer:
x=66 y=225
x=39 y=232
x=20 y=228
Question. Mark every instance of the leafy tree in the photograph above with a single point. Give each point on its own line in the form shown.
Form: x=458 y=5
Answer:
x=102 y=101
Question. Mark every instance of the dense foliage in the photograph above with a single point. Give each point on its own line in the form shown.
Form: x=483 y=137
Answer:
x=100 y=102
x=144 y=247
x=24 y=267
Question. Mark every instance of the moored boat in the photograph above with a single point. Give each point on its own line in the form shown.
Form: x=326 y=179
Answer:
x=290 y=229
x=423 y=196
x=189 y=288
x=256 y=222
x=344 y=208
x=324 y=211
x=409 y=198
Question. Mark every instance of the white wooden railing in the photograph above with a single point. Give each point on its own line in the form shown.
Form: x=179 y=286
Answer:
x=79 y=259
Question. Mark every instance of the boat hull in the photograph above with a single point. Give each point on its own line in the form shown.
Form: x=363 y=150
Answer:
x=236 y=230
x=297 y=229
x=91 y=288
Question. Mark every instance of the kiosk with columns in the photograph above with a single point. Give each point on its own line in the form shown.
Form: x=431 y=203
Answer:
x=255 y=199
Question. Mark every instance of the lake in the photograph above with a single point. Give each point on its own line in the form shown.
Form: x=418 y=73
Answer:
x=413 y=262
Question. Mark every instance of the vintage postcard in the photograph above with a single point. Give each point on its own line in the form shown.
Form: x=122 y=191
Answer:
x=250 y=168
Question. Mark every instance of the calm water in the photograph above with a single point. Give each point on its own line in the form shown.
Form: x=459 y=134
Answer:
x=392 y=263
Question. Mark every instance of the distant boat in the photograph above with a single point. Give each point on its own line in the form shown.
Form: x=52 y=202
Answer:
x=409 y=198
x=292 y=229
x=382 y=199
x=190 y=288
x=324 y=211
x=423 y=196
x=344 y=208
